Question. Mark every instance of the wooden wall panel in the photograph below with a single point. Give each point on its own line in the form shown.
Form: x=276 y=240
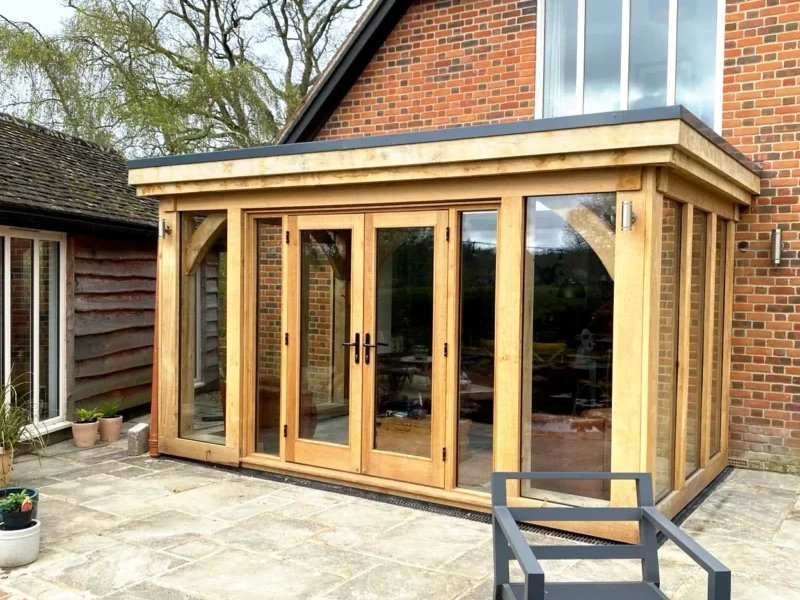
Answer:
x=111 y=302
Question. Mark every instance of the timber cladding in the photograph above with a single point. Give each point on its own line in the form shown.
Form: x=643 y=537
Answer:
x=761 y=116
x=447 y=63
x=110 y=314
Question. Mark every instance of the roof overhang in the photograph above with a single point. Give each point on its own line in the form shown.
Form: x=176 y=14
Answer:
x=665 y=137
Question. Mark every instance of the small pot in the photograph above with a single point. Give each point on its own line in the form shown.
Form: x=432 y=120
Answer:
x=6 y=460
x=21 y=546
x=32 y=493
x=84 y=435
x=13 y=521
x=110 y=428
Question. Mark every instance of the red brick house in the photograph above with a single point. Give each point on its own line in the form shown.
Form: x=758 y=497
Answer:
x=493 y=230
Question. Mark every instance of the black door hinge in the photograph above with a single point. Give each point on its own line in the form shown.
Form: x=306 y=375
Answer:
x=445 y=349
x=447 y=234
x=285 y=339
x=444 y=454
x=287 y=237
x=285 y=430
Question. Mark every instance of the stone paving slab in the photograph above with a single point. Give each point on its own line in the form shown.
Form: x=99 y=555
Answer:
x=136 y=528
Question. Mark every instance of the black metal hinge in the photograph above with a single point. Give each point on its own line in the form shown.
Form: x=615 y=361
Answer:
x=285 y=339
x=445 y=349
x=287 y=237
x=444 y=454
x=285 y=430
x=447 y=234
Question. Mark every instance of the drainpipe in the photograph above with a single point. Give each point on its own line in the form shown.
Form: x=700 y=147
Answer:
x=153 y=442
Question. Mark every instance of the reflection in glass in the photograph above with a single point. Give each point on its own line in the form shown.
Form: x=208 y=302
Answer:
x=560 y=57
x=697 y=57
x=476 y=342
x=22 y=316
x=404 y=322
x=568 y=340
x=602 y=56
x=203 y=339
x=325 y=299
x=667 y=398
x=719 y=324
x=48 y=329
x=648 y=53
x=269 y=328
x=697 y=307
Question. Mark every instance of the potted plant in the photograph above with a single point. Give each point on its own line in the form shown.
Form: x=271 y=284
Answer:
x=16 y=431
x=20 y=534
x=85 y=427
x=110 y=422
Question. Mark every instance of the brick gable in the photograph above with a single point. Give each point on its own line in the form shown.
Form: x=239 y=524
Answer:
x=446 y=64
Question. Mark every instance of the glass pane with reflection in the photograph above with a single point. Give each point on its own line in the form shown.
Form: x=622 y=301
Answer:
x=203 y=326
x=696 y=69
x=476 y=343
x=49 y=334
x=269 y=333
x=560 y=58
x=602 y=56
x=21 y=299
x=568 y=341
x=404 y=331
x=668 y=319
x=647 y=71
x=697 y=307
x=325 y=300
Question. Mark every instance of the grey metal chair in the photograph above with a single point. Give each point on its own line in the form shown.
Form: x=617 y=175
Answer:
x=510 y=544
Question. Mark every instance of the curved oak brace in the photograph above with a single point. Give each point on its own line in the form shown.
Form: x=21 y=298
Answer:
x=201 y=241
x=593 y=230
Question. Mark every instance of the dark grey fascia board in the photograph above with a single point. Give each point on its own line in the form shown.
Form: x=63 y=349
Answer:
x=15 y=215
x=342 y=75
x=645 y=115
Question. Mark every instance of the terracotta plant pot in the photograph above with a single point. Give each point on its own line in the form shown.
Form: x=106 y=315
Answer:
x=6 y=459
x=84 y=435
x=110 y=428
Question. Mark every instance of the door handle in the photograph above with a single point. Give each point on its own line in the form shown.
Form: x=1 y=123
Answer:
x=367 y=347
x=356 y=345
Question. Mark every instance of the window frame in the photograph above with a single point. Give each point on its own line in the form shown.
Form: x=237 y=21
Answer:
x=672 y=55
x=37 y=236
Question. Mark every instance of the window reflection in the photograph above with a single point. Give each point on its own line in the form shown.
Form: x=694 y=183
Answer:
x=697 y=57
x=648 y=53
x=560 y=57
x=602 y=57
x=476 y=337
x=568 y=329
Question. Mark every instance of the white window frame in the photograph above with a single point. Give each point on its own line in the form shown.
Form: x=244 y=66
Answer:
x=672 y=54
x=36 y=236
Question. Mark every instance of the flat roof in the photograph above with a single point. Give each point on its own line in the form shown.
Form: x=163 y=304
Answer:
x=619 y=117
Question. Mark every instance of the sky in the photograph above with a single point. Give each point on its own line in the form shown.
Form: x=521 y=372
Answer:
x=45 y=15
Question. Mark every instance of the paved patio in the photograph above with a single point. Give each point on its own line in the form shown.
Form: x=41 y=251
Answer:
x=143 y=529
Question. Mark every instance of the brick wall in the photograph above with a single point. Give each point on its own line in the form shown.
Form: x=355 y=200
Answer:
x=446 y=64
x=760 y=116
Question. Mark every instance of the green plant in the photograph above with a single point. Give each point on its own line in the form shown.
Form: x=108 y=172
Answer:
x=16 y=427
x=108 y=409
x=17 y=502
x=87 y=415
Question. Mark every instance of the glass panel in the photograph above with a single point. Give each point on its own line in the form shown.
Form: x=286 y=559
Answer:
x=568 y=340
x=719 y=326
x=325 y=298
x=269 y=261
x=648 y=53
x=22 y=319
x=203 y=327
x=48 y=329
x=697 y=57
x=404 y=323
x=602 y=55
x=697 y=306
x=560 y=57
x=476 y=340
x=668 y=346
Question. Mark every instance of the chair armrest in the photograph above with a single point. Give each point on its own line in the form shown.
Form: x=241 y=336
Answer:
x=719 y=576
x=519 y=545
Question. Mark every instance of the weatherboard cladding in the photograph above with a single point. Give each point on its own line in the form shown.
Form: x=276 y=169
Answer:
x=46 y=172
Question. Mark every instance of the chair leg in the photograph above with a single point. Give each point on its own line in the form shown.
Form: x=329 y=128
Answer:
x=502 y=557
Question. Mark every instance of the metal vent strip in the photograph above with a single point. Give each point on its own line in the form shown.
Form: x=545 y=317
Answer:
x=431 y=507
x=738 y=463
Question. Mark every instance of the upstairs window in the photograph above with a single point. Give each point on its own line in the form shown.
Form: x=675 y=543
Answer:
x=605 y=55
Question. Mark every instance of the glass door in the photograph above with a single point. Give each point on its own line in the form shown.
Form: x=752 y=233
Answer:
x=404 y=352
x=326 y=291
